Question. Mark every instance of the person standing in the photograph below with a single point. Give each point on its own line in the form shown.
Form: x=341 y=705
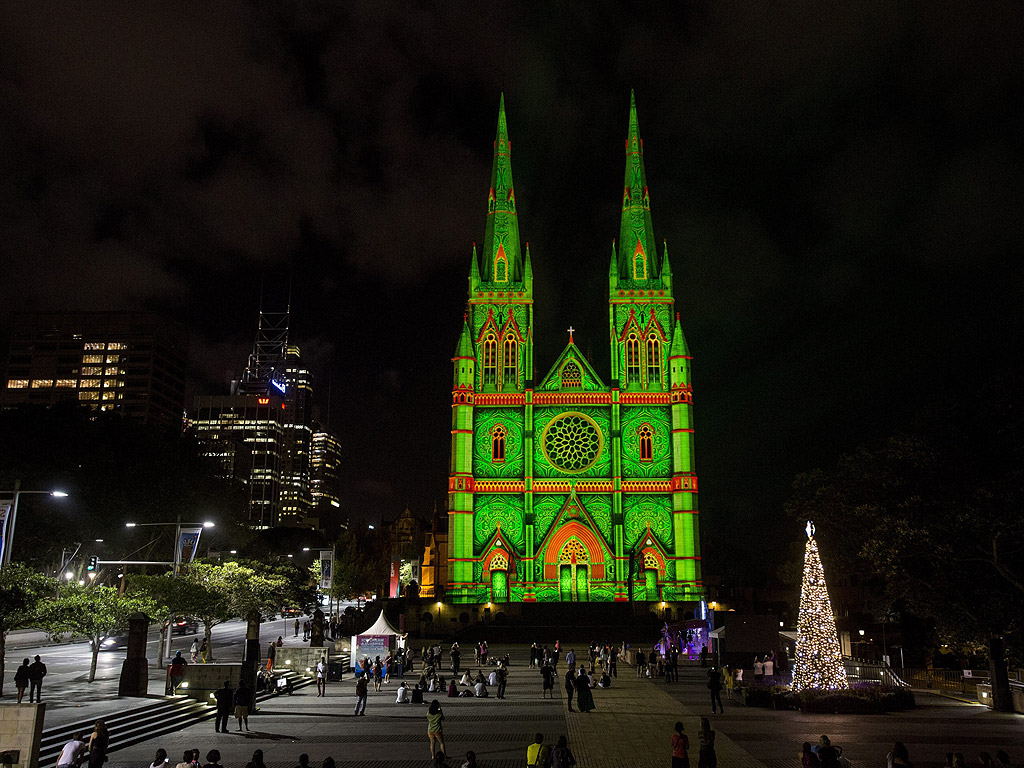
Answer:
x=537 y=754
x=584 y=698
x=570 y=686
x=321 y=677
x=680 y=745
x=715 y=686
x=36 y=673
x=570 y=658
x=641 y=662
x=176 y=671
x=613 y=661
x=98 y=743
x=21 y=679
x=271 y=655
x=204 y=650
x=435 y=729
x=193 y=651
x=547 y=672
x=758 y=669
x=296 y=627
x=242 y=701
x=706 y=758
x=456 y=656
x=730 y=681
x=71 y=754
x=703 y=656
x=361 y=688
x=502 y=679
x=225 y=698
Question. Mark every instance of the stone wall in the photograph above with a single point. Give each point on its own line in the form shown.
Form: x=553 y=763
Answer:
x=21 y=731
x=301 y=660
x=201 y=680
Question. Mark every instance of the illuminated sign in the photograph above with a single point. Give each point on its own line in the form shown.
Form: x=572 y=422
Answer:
x=263 y=400
x=278 y=384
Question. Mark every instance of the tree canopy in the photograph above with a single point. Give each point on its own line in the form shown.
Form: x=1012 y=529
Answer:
x=22 y=593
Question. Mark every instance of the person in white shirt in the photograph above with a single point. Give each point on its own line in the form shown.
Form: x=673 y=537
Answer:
x=758 y=667
x=481 y=690
x=321 y=677
x=768 y=667
x=402 y=697
x=71 y=755
x=492 y=679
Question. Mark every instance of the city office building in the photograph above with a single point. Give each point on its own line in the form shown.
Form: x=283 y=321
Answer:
x=131 y=363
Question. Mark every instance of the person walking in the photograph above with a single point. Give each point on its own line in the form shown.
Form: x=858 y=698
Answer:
x=680 y=747
x=715 y=686
x=361 y=688
x=570 y=658
x=321 y=677
x=225 y=698
x=730 y=681
x=584 y=698
x=570 y=686
x=176 y=671
x=242 y=701
x=204 y=650
x=98 y=743
x=703 y=656
x=435 y=729
x=547 y=672
x=193 y=651
x=706 y=758
x=561 y=755
x=641 y=662
x=36 y=673
x=21 y=679
x=537 y=754
x=71 y=754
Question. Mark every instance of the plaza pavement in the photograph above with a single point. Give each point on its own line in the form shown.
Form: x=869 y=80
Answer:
x=630 y=728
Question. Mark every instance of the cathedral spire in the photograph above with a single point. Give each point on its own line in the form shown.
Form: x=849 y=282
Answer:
x=637 y=257
x=501 y=256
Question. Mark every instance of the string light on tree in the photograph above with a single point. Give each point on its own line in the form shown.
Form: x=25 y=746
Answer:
x=819 y=660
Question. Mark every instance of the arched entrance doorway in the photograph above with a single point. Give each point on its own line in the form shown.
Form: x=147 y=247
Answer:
x=499 y=577
x=574 y=572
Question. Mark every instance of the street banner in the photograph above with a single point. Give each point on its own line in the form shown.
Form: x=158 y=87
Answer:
x=5 y=510
x=326 y=570
x=188 y=543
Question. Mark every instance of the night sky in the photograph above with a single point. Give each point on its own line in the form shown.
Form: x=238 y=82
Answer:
x=840 y=185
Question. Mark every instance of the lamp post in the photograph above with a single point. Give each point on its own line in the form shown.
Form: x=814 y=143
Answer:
x=8 y=544
x=175 y=567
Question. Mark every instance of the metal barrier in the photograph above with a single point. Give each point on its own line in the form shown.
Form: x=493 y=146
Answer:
x=945 y=680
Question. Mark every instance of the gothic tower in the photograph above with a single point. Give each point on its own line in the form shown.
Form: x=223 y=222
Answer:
x=570 y=489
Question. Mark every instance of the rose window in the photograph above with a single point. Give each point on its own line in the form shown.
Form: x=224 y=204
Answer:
x=572 y=442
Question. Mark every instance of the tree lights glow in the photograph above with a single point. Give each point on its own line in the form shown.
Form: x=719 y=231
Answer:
x=819 y=660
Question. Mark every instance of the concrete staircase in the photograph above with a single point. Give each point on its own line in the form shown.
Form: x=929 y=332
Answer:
x=132 y=725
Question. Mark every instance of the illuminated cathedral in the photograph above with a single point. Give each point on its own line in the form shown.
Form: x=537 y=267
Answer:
x=572 y=487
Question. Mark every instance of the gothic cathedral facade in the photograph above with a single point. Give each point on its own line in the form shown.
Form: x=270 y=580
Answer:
x=569 y=488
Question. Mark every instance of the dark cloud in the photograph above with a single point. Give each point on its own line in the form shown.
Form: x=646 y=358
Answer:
x=840 y=186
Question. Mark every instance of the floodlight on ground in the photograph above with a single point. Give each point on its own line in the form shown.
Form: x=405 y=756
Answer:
x=208 y=524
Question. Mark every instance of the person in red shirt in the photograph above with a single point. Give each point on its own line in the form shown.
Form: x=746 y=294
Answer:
x=679 y=746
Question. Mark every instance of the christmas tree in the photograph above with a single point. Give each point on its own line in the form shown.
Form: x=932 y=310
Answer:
x=819 y=660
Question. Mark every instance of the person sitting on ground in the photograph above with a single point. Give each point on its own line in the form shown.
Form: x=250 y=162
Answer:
x=303 y=761
x=985 y=759
x=417 y=694
x=1002 y=759
x=470 y=760
x=401 y=696
x=257 y=760
x=453 y=689
x=212 y=759
x=606 y=680
x=466 y=678
x=479 y=678
x=807 y=758
x=827 y=754
x=423 y=682
x=438 y=760
x=538 y=755
x=480 y=688
x=186 y=760
x=899 y=757
x=160 y=760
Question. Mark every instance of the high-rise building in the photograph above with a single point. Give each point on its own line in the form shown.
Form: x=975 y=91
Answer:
x=132 y=363
x=262 y=433
x=567 y=488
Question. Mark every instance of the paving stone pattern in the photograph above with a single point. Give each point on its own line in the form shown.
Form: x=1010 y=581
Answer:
x=630 y=728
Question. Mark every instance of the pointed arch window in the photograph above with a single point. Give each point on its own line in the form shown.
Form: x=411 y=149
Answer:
x=632 y=359
x=572 y=377
x=498 y=435
x=645 y=436
x=653 y=361
x=510 y=361
x=490 y=366
x=500 y=268
x=639 y=262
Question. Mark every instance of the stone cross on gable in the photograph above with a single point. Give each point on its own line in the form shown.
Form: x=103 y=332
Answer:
x=571 y=330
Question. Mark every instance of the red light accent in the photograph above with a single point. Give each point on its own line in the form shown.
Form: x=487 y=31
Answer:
x=282 y=406
x=263 y=400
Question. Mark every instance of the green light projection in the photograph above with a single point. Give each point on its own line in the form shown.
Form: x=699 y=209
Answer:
x=572 y=442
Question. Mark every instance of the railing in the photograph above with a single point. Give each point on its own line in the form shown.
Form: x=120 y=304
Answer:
x=945 y=680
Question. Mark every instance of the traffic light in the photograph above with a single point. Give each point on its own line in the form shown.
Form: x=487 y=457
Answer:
x=93 y=562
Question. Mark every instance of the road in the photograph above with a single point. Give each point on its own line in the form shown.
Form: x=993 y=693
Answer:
x=67 y=664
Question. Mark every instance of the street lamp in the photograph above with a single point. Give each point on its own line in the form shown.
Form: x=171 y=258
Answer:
x=176 y=564
x=8 y=541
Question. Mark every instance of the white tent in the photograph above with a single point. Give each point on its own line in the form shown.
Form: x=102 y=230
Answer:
x=375 y=641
